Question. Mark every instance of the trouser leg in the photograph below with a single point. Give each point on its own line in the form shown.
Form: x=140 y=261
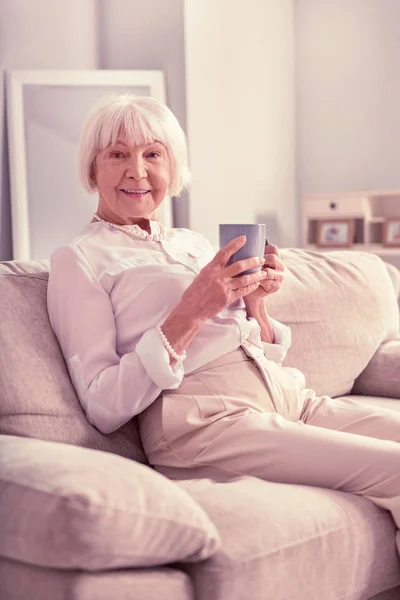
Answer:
x=336 y=444
x=352 y=416
x=270 y=447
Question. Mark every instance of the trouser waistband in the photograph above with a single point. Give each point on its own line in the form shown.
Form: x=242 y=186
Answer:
x=226 y=359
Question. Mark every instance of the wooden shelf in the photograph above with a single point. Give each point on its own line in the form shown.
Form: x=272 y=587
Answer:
x=365 y=193
x=376 y=220
x=366 y=212
x=375 y=248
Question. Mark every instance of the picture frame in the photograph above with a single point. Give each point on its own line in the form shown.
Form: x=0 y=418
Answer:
x=391 y=232
x=46 y=110
x=335 y=233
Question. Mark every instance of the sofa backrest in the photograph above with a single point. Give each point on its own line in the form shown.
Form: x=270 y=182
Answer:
x=341 y=306
x=37 y=398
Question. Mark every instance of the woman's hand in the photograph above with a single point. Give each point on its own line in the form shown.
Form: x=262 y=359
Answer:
x=216 y=286
x=273 y=267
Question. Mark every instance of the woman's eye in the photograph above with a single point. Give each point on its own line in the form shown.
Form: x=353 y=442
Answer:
x=116 y=155
x=154 y=154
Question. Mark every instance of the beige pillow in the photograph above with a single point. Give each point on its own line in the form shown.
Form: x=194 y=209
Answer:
x=341 y=306
x=69 y=507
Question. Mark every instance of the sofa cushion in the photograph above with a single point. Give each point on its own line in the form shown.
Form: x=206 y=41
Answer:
x=383 y=402
x=20 y=581
x=381 y=377
x=37 y=398
x=340 y=305
x=293 y=541
x=76 y=508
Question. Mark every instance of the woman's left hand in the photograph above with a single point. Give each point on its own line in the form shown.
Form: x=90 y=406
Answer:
x=272 y=283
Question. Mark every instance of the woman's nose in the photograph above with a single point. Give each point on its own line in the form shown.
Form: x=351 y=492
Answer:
x=136 y=168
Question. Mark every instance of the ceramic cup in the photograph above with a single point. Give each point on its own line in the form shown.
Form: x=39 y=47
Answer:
x=255 y=241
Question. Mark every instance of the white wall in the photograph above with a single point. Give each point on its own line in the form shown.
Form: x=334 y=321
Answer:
x=239 y=60
x=347 y=94
x=40 y=34
x=240 y=115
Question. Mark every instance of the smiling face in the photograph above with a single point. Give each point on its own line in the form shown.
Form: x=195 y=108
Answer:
x=132 y=181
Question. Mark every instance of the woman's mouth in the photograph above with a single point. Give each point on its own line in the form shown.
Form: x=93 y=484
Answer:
x=135 y=193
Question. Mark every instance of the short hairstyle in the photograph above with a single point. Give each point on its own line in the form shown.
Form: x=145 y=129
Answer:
x=143 y=120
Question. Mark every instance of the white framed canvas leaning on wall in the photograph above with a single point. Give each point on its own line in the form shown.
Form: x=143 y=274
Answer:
x=45 y=113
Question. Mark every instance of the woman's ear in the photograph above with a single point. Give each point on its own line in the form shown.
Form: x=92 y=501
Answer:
x=93 y=174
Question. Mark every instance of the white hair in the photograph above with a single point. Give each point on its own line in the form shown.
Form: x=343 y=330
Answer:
x=142 y=119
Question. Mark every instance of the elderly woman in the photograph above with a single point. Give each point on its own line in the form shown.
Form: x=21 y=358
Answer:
x=152 y=322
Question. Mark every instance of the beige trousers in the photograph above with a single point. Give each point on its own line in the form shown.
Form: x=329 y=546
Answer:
x=222 y=422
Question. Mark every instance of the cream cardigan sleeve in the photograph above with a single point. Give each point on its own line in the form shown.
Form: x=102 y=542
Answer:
x=111 y=388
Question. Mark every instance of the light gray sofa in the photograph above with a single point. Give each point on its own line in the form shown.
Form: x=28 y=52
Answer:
x=82 y=517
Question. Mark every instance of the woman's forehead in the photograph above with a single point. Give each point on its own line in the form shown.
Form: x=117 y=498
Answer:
x=123 y=140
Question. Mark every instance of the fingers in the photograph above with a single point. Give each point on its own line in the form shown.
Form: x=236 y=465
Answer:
x=273 y=262
x=243 y=265
x=270 y=287
x=272 y=258
x=237 y=283
x=224 y=254
x=271 y=249
x=270 y=261
x=246 y=290
x=272 y=281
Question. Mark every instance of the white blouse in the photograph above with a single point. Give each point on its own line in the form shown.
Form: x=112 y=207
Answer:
x=108 y=291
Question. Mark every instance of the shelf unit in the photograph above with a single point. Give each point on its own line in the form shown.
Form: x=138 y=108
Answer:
x=375 y=248
x=369 y=209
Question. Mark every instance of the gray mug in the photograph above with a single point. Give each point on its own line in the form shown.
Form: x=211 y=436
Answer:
x=255 y=241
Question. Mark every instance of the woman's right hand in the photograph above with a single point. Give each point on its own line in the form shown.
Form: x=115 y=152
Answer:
x=216 y=286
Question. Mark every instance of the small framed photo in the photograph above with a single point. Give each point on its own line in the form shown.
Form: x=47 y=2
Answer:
x=391 y=232
x=335 y=233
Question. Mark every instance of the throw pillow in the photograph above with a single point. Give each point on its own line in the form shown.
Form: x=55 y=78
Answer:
x=64 y=506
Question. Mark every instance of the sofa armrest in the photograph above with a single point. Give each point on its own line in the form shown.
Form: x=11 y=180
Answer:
x=381 y=377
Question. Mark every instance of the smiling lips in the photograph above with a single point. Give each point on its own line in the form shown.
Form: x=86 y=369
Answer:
x=135 y=193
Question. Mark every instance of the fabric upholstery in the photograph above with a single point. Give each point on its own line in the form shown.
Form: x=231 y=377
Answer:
x=37 y=398
x=341 y=306
x=272 y=539
x=390 y=403
x=26 y=582
x=394 y=274
x=68 y=507
x=381 y=377
x=324 y=321
x=290 y=541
